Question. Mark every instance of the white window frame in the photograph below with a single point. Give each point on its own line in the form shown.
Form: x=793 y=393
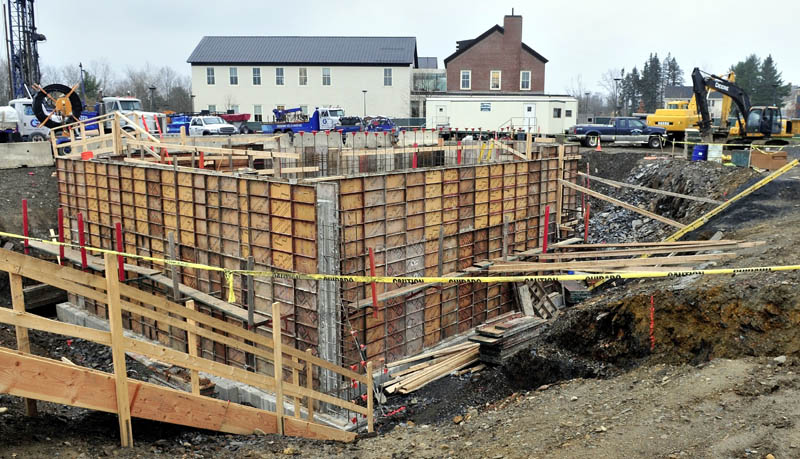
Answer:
x=302 y=76
x=521 y=79
x=280 y=76
x=212 y=108
x=256 y=76
x=330 y=78
x=233 y=76
x=235 y=108
x=258 y=113
x=211 y=78
x=499 y=80
x=461 y=79
x=389 y=76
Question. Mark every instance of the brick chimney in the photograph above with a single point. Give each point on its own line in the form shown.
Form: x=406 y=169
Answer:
x=512 y=36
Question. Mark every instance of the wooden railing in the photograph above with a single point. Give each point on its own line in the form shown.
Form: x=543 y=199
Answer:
x=295 y=364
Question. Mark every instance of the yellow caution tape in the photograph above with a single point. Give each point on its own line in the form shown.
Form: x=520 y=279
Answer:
x=229 y=273
x=780 y=147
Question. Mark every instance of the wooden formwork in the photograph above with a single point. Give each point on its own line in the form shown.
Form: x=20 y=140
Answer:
x=433 y=222
x=216 y=219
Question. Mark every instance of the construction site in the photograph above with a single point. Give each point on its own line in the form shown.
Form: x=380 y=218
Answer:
x=198 y=285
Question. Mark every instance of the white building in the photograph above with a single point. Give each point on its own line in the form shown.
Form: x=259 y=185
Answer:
x=258 y=74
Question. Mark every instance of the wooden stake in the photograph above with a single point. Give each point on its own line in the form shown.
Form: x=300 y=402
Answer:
x=560 y=189
x=310 y=385
x=191 y=341
x=296 y=382
x=118 y=351
x=277 y=364
x=23 y=344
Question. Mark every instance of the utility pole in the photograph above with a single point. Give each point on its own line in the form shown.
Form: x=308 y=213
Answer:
x=616 y=98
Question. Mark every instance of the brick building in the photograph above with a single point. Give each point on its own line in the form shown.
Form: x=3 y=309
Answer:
x=497 y=60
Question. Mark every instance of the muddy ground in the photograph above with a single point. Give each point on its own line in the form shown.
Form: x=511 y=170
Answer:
x=721 y=380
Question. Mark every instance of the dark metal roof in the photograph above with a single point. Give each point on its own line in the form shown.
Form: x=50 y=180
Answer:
x=306 y=50
x=685 y=92
x=463 y=45
x=427 y=63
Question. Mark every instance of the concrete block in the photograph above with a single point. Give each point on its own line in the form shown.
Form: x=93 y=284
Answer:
x=25 y=154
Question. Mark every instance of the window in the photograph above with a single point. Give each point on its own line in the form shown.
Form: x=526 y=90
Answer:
x=387 y=77
x=256 y=76
x=212 y=108
x=279 y=76
x=234 y=75
x=486 y=106
x=235 y=108
x=28 y=110
x=257 y=116
x=304 y=109
x=568 y=114
x=302 y=74
x=466 y=79
x=494 y=80
x=281 y=107
x=637 y=124
x=525 y=80
x=556 y=113
x=326 y=76
x=210 y=75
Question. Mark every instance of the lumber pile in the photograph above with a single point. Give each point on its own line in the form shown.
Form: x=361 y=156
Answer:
x=501 y=341
x=620 y=257
x=433 y=365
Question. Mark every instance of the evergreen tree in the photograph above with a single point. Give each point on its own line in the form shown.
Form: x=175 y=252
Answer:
x=747 y=73
x=770 y=89
x=651 y=84
x=673 y=74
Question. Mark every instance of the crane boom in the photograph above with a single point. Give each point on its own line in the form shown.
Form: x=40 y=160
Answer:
x=728 y=88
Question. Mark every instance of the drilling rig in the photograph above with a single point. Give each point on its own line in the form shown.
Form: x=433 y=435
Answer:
x=23 y=46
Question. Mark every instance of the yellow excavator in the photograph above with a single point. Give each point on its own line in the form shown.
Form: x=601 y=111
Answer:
x=682 y=115
x=760 y=124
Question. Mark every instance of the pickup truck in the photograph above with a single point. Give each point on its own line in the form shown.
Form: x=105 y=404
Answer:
x=323 y=119
x=210 y=125
x=620 y=129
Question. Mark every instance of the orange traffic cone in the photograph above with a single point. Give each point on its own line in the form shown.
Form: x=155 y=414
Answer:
x=598 y=145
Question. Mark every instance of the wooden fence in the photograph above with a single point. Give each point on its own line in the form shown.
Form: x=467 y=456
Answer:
x=76 y=386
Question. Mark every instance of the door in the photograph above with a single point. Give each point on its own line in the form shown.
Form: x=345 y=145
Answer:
x=622 y=131
x=441 y=119
x=637 y=131
x=196 y=128
x=529 y=117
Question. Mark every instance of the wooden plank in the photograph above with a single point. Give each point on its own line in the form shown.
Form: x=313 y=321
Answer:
x=23 y=343
x=370 y=399
x=296 y=382
x=524 y=297
x=436 y=353
x=278 y=363
x=646 y=251
x=643 y=244
x=191 y=342
x=310 y=386
x=650 y=190
x=53 y=326
x=622 y=204
x=576 y=265
x=118 y=351
x=56 y=382
x=288 y=170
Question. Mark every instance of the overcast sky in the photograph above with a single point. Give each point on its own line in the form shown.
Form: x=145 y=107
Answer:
x=581 y=38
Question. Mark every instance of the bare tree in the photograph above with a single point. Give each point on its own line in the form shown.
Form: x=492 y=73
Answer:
x=103 y=72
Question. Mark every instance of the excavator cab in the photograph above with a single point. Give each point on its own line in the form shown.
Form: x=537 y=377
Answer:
x=764 y=120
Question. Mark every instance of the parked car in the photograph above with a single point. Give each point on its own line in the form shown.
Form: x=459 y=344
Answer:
x=618 y=130
x=210 y=125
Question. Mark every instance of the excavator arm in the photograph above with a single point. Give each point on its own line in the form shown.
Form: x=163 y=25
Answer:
x=719 y=84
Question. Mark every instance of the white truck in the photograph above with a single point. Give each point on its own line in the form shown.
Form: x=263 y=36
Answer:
x=28 y=126
x=542 y=114
x=210 y=125
x=131 y=107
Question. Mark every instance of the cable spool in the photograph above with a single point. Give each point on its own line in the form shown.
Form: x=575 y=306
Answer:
x=56 y=105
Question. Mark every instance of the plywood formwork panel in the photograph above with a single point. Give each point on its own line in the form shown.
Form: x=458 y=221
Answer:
x=217 y=220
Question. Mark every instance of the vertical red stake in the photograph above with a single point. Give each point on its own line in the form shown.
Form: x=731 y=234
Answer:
x=25 y=223
x=652 y=323
x=414 y=158
x=374 y=286
x=458 y=153
x=546 y=225
x=61 y=235
x=202 y=160
x=586 y=224
x=82 y=242
x=120 y=258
